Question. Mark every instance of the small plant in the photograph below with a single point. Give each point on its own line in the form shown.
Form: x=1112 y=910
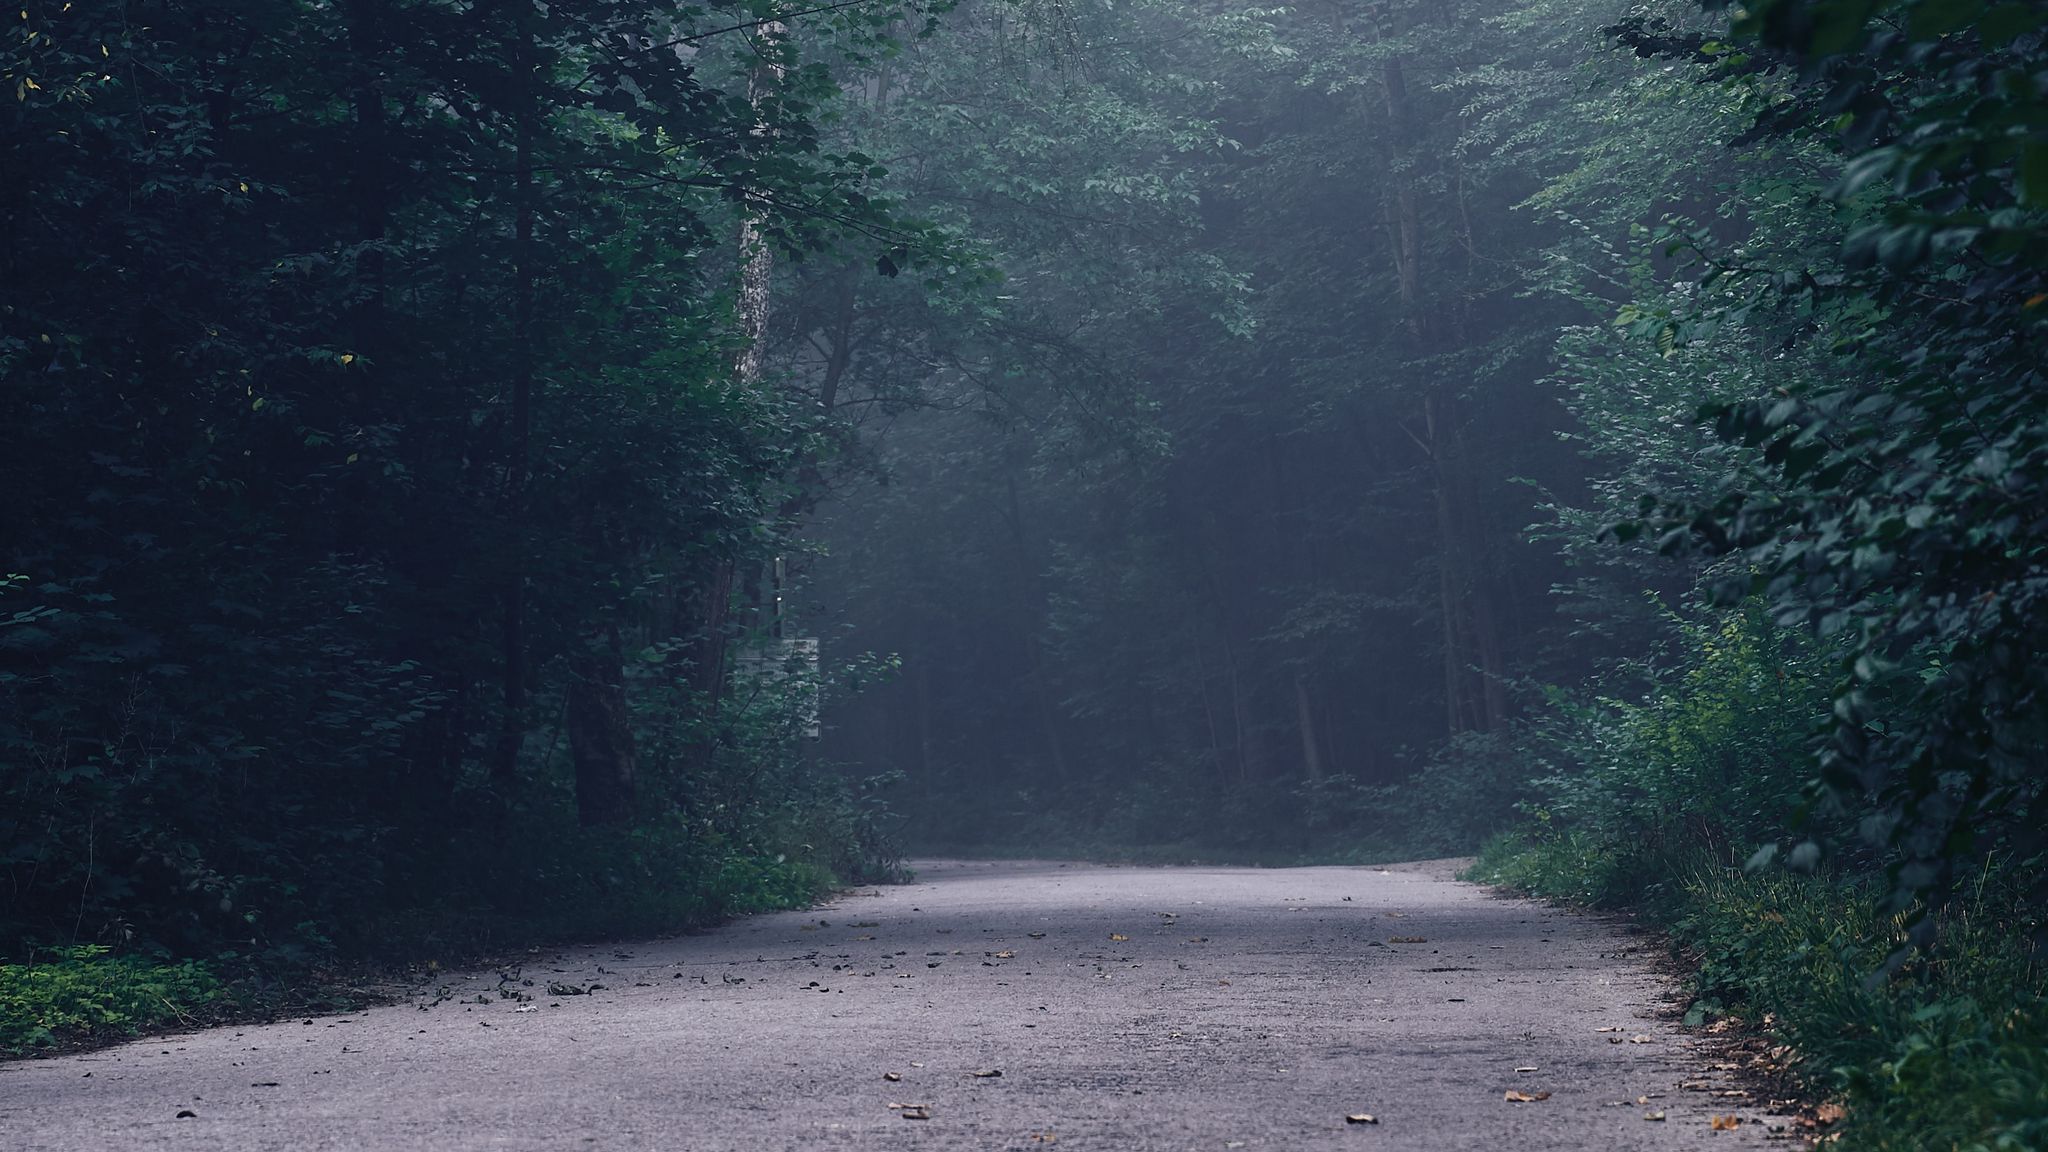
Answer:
x=85 y=991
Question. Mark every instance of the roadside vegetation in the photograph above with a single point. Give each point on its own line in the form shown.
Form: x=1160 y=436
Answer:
x=1656 y=806
x=487 y=474
x=1823 y=774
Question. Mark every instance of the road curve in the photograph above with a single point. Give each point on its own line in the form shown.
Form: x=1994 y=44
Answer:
x=1127 y=1009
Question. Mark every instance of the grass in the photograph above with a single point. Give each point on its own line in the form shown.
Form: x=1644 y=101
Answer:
x=1950 y=1052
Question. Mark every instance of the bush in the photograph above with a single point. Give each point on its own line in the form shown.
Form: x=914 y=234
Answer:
x=1656 y=802
x=84 y=991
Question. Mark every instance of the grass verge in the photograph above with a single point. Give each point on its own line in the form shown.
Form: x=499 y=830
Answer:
x=1950 y=1052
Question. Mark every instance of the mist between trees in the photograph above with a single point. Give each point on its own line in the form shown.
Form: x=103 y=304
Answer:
x=459 y=455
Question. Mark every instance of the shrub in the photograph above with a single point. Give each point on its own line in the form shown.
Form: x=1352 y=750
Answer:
x=86 y=991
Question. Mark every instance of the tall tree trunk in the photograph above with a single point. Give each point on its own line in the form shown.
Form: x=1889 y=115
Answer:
x=756 y=278
x=512 y=632
x=924 y=729
x=757 y=261
x=1311 y=755
x=372 y=191
x=600 y=723
x=1240 y=717
x=1209 y=708
x=1030 y=601
x=1468 y=627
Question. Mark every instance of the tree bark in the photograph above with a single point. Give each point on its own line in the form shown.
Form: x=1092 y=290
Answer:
x=601 y=743
x=1031 y=601
x=512 y=632
x=1468 y=625
x=1311 y=755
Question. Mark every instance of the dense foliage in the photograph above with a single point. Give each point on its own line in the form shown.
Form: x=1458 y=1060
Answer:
x=377 y=466
x=437 y=431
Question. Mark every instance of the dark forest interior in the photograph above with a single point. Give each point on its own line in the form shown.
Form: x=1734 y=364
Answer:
x=483 y=472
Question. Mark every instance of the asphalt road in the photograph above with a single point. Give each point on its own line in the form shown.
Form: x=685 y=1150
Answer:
x=1125 y=1009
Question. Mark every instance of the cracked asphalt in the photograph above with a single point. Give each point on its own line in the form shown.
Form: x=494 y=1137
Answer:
x=1125 y=1009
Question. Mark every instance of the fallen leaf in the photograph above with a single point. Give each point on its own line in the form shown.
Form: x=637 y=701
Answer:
x=1361 y=1118
x=988 y=1074
x=1653 y=1115
x=1724 y=1123
x=1407 y=940
x=1118 y=937
x=1829 y=1113
x=1641 y=1040
x=1514 y=1097
x=264 y=1084
x=1006 y=954
x=1036 y=935
x=187 y=1114
x=916 y=1112
x=1526 y=1068
x=1044 y=1138
x=1609 y=1028
x=892 y=1077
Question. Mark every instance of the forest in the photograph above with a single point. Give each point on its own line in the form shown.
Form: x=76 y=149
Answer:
x=486 y=473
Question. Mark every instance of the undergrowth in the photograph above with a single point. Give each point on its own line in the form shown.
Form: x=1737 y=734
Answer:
x=84 y=992
x=1654 y=793
x=756 y=826
x=1948 y=1052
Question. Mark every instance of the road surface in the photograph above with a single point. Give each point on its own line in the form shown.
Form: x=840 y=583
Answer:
x=1126 y=1009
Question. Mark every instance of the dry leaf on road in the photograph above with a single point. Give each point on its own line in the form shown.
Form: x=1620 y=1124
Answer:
x=892 y=1077
x=1653 y=1115
x=987 y=1074
x=1361 y=1118
x=1118 y=937
x=916 y=1112
x=1514 y=1097
x=1724 y=1123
